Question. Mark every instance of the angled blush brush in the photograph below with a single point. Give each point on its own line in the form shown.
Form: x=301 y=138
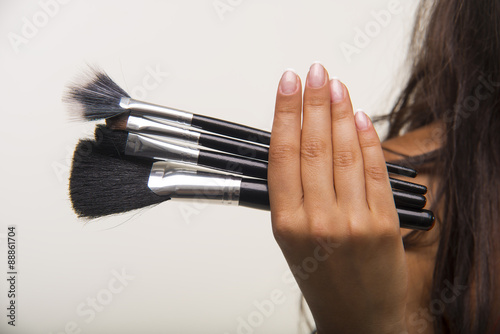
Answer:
x=144 y=125
x=143 y=146
x=122 y=143
x=101 y=185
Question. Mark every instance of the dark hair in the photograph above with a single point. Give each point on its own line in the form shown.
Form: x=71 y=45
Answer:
x=455 y=80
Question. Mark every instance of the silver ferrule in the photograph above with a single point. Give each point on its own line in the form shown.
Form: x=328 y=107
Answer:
x=172 y=166
x=140 y=108
x=146 y=147
x=190 y=184
x=144 y=125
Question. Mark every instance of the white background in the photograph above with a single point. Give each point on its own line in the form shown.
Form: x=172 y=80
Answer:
x=196 y=269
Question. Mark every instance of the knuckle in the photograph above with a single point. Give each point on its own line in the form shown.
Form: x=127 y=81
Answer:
x=313 y=149
x=283 y=227
x=320 y=223
x=375 y=173
x=282 y=152
x=388 y=232
x=345 y=159
x=280 y=218
x=343 y=116
x=389 y=221
x=367 y=229
x=358 y=229
x=371 y=143
x=287 y=109
x=316 y=102
x=282 y=231
x=319 y=229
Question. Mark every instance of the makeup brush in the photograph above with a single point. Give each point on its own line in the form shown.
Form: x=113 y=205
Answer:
x=117 y=140
x=102 y=185
x=100 y=97
x=119 y=143
x=144 y=125
x=138 y=145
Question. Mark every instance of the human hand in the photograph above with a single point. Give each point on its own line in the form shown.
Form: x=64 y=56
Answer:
x=332 y=208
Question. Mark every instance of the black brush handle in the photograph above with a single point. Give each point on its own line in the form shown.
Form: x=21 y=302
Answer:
x=415 y=219
x=234 y=146
x=402 y=198
x=254 y=194
x=256 y=168
x=231 y=129
x=263 y=137
x=401 y=170
x=408 y=186
x=233 y=164
x=262 y=153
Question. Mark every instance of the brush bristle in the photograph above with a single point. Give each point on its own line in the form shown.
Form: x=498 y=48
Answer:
x=110 y=142
x=101 y=185
x=118 y=122
x=97 y=97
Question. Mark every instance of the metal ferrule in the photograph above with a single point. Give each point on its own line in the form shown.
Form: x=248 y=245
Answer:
x=140 y=108
x=146 y=147
x=144 y=125
x=190 y=184
x=172 y=166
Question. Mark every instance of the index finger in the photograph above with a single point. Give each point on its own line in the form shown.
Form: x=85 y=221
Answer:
x=285 y=186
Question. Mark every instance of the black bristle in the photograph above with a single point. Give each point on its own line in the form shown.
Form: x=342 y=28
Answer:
x=97 y=97
x=110 y=142
x=101 y=185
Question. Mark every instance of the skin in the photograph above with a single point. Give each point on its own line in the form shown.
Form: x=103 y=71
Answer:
x=420 y=260
x=333 y=213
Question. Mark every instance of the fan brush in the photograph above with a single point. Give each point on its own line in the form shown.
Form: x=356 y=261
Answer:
x=99 y=97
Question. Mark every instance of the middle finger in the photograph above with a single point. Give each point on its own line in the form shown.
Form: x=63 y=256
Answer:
x=316 y=141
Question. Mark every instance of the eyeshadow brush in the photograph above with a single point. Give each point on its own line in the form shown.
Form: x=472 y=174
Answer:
x=139 y=145
x=145 y=125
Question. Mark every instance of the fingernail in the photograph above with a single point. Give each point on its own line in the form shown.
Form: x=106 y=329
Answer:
x=288 y=82
x=336 y=91
x=362 y=121
x=316 y=76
